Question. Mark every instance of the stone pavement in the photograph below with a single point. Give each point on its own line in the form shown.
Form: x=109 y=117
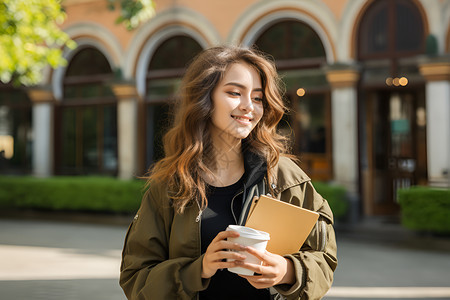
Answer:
x=379 y=259
x=54 y=259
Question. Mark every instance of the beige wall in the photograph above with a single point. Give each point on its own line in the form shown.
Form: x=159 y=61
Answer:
x=222 y=15
x=95 y=11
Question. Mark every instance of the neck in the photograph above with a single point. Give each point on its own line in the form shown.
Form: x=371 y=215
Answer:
x=227 y=151
x=227 y=161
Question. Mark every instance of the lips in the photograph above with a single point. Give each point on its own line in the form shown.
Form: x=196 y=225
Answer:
x=242 y=118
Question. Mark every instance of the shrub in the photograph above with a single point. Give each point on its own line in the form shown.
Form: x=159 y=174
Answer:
x=425 y=209
x=102 y=194
x=336 y=196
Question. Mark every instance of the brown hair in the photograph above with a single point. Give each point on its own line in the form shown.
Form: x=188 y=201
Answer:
x=188 y=143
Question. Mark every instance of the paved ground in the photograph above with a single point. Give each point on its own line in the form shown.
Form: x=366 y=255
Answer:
x=382 y=261
x=56 y=260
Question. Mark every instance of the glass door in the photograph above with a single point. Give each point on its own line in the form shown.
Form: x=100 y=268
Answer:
x=396 y=147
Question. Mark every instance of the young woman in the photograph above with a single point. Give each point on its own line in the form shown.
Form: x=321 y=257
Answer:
x=223 y=150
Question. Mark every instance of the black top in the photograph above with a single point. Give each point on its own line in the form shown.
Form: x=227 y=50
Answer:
x=215 y=218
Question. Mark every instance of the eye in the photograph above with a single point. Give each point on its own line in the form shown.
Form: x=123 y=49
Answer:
x=258 y=99
x=234 y=94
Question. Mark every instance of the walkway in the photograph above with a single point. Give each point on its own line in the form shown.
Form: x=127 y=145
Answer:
x=56 y=260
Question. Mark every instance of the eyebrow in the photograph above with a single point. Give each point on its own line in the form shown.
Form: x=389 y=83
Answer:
x=242 y=86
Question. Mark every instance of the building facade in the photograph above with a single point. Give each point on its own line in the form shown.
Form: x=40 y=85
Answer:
x=367 y=84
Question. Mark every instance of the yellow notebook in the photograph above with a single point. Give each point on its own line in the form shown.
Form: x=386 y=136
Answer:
x=288 y=225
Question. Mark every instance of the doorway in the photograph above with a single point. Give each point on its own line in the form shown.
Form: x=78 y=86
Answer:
x=395 y=151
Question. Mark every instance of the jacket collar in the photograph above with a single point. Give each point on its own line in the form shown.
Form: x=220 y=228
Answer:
x=255 y=167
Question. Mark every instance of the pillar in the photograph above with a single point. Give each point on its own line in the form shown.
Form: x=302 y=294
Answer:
x=126 y=129
x=344 y=130
x=437 y=74
x=42 y=123
x=344 y=125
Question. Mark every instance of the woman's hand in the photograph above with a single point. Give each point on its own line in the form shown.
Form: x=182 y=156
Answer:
x=217 y=253
x=274 y=269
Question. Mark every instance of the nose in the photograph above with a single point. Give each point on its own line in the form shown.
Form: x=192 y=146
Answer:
x=246 y=103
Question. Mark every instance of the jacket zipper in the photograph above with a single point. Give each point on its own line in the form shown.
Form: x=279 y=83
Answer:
x=199 y=216
x=200 y=212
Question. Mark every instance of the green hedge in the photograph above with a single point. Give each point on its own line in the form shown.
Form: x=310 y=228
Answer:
x=336 y=196
x=102 y=194
x=425 y=209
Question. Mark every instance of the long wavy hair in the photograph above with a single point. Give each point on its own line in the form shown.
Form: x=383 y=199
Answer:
x=188 y=145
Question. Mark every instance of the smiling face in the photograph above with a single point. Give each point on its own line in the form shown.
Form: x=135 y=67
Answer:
x=237 y=102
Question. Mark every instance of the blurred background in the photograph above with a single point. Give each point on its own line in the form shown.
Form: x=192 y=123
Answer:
x=367 y=85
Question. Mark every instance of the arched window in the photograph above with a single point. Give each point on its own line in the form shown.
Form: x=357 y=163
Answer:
x=174 y=54
x=389 y=33
x=165 y=70
x=299 y=55
x=15 y=131
x=86 y=118
x=299 y=43
x=391 y=28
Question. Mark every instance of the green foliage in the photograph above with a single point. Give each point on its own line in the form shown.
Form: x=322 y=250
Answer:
x=30 y=39
x=104 y=194
x=425 y=209
x=431 y=45
x=101 y=194
x=336 y=197
x=133 y=12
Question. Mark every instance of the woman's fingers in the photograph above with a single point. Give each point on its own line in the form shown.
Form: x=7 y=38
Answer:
x=217 y=253
x=264 y=256
x=225 y=234
x=221 y=255
x=258 y=269
x=213 y=261
x=220 y=242
x=271 y=271
x=226 y=260
x=258 y=279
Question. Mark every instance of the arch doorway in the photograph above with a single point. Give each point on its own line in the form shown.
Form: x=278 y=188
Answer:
x=391 y=103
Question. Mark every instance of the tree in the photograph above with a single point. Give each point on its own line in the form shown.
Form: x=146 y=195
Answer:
x=31 y=39
x=133 y=12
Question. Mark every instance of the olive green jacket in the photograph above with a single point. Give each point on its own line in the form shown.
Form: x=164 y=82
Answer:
x=162 y=256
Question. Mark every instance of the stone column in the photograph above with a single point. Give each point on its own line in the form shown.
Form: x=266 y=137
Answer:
x=344 y=125
x=127 y=96
x=437 y=74
x=344 y=128
x=42 y=120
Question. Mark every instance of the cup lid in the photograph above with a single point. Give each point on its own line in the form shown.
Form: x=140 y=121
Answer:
x=250 y=232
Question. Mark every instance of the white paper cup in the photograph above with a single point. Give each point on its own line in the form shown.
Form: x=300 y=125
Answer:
x=248 y=237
